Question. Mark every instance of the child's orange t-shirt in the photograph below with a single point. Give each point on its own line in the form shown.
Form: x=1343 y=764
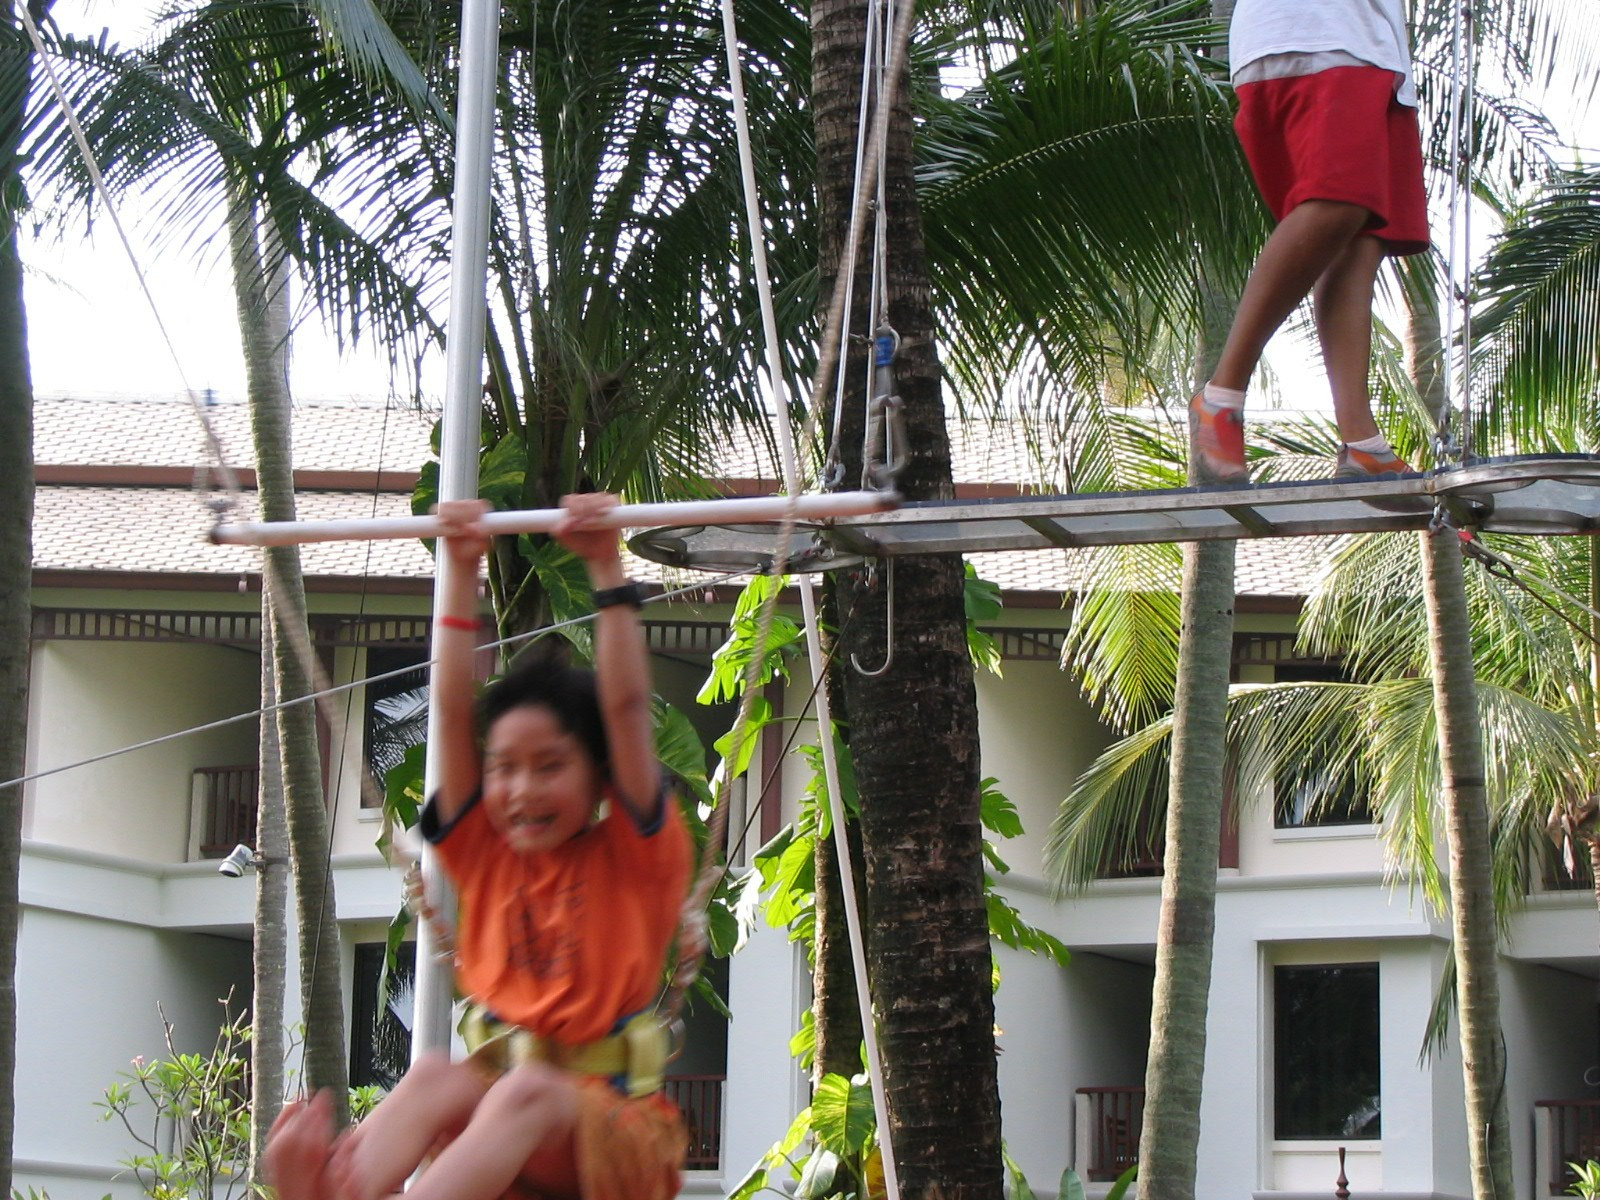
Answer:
x=569 y=941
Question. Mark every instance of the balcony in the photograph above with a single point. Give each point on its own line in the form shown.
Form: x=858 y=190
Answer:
x=224 y=801
x=699 y=1099
x=1565 y=1131
x=1109 y=1120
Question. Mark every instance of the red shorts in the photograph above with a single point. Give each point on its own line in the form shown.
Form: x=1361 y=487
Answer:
x=1338 y=135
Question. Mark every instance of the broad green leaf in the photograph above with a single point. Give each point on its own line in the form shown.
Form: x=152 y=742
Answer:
x=682 y=754
x=563 y=577
x=794 y=884
x=501 y=471
x=1071 y=1186
x=997 y=811
x=842 y=1114
x=739 y=744
x=1016 y=1183
x=1119 y=1189
x=816 y=1178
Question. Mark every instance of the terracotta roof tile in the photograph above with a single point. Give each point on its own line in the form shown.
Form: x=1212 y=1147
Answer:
x=163 y=529
x=146 y=431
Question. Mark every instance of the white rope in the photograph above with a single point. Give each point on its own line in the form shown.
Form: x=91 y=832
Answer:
x=867 y=160
x=814 y=653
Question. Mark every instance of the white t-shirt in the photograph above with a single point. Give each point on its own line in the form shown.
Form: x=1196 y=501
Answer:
x=1324 y=32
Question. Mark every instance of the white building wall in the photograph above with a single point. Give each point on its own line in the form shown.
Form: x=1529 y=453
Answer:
x=88 y=990
x=1038 y=735
x=1549 y=1019
x=768 y=989
x=86 y=698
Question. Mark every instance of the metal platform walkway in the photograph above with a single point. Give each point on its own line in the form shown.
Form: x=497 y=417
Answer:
x=1542 y=495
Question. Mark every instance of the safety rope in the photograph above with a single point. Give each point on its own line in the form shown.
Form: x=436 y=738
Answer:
x=830 y=358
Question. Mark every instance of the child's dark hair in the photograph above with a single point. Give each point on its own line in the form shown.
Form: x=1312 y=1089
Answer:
x=567 y=691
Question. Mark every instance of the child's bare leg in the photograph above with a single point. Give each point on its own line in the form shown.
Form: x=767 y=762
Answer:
x=435 y=1098
x=1343 y=301
x=530 y=1110
x=1309 y=238
x=296 y=1156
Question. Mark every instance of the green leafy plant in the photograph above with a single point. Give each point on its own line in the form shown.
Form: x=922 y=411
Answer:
x=1587 y=1184
x=1070 y=1188
x=844 y=1159
x=189 y=1116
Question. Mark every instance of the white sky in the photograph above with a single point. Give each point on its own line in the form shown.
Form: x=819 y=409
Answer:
x=92 y=332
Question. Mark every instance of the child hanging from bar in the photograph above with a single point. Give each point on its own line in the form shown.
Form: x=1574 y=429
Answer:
x=1328 y=120
x=571 y=862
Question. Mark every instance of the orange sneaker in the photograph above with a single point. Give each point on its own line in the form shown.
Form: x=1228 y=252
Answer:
x=1353 y=464
x=1216 y=443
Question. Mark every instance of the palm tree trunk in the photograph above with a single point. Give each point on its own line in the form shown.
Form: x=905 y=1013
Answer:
x=1466 y=807
x=915 y=749
x=16 y=572
x=263 y=324
x=835 y=1009
x=271 y=936
x=1170 y=1140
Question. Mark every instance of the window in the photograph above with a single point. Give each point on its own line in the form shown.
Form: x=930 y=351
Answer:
x=380 y=1037
x=1326 y=1080
x=397 y=707
x=1316 y=796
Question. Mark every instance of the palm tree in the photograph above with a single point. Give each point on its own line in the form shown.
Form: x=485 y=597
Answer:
x=16 y=562
x=1009 y=134
x=914 y=749
x=205 y=98
x=1464 y=800
x=1170 y=1148
x=1541 y=347
x=286 y=653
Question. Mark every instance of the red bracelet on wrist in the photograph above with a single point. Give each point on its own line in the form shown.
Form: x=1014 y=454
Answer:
x=466 y=623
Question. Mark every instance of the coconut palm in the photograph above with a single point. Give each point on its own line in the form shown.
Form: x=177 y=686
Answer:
x=1098 y=617
x=214 y=119
x=16 y=561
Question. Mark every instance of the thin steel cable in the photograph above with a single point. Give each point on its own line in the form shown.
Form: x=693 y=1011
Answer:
x=336 y=689
x=69 y=113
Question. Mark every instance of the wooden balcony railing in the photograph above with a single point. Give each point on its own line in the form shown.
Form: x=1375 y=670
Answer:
x=227 y=809
x=1574 y=1136
x=699 y=1099
x=1109 y=1123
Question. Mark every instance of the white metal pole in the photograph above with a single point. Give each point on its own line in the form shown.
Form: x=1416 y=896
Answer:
x=463 y=406
x=737 y=511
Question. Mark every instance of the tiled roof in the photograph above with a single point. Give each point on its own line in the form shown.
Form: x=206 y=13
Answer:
x=161 y=529
x=166 y=432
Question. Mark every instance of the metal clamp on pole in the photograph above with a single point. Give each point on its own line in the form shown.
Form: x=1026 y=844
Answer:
x=883 y=452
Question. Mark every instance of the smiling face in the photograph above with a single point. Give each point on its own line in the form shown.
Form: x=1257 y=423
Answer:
x=540 y=785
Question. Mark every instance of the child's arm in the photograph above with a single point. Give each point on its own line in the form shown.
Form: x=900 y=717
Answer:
x=455 y=646
x=621 y=661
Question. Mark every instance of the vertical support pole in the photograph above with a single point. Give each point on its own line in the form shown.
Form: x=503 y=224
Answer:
x=463 y=400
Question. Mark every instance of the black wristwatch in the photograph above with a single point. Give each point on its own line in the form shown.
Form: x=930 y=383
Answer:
x=630 y=593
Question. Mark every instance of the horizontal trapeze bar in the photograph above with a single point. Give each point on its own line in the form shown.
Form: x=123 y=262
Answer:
x=1541 y=495
x=752 y=510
